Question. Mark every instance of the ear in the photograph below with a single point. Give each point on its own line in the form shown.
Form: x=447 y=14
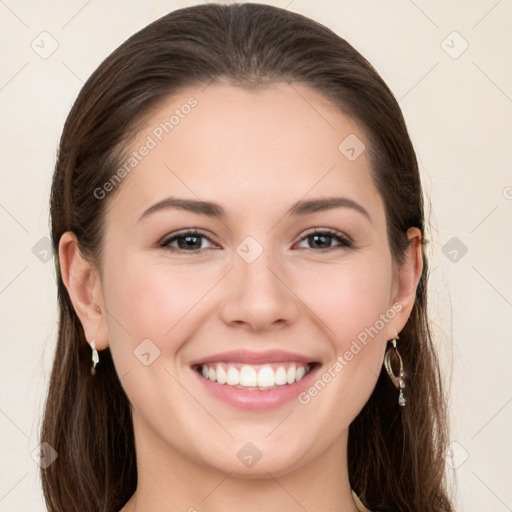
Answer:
x=407 y=277
x=82 y=281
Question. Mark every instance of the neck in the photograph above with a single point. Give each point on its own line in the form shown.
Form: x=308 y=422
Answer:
x=168 y=480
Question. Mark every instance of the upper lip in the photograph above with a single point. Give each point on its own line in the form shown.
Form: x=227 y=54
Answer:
x=252 y=357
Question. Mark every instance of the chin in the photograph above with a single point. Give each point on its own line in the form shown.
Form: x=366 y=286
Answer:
x=247 y=461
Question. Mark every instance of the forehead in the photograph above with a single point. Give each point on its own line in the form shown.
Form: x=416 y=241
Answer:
x=273 y=145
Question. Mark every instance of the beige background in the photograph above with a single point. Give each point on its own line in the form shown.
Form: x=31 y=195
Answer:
x=458 y=106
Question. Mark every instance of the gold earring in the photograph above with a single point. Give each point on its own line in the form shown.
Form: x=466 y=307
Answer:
x=398 y=381
x=95 y=358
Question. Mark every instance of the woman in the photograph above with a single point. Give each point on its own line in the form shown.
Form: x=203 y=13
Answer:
x=238 y=227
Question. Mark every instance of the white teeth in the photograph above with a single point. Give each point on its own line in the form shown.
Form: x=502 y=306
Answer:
x=301 y=371
x=266 y=378
x=233 y=377
x=221 y=375
x=290 y=374
x=250 y=377
x=280 y=376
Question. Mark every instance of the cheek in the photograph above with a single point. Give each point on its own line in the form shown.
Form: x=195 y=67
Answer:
x=152 y=300
x=348 y=298
x=352 y=304
x=160 y=300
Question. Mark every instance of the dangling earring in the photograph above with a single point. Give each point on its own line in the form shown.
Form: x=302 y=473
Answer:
x=398 y=381
x=95 y=358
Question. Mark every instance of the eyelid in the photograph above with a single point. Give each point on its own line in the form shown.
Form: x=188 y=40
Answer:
x=184 y=232
x=346 y=240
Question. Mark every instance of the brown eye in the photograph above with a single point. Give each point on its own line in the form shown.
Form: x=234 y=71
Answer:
x=323 y=240
x=189 y=241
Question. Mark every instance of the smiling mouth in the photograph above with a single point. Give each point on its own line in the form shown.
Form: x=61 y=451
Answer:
x=258 y=377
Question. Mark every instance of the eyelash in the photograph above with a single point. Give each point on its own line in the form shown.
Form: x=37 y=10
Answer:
x=345 y=241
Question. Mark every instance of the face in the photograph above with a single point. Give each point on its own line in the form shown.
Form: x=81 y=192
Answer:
x=283 y=300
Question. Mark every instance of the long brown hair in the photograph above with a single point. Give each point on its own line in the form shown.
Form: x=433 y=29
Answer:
x=395 y=454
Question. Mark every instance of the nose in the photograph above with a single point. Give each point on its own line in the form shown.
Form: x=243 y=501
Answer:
x=257 y=295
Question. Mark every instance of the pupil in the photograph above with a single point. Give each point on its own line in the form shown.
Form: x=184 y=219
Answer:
x=189 y=241
x=321 y=237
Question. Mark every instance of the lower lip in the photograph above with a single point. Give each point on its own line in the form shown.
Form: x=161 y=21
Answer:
x=257 y=399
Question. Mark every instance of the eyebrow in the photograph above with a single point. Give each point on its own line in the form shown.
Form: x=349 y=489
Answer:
x=215 y=210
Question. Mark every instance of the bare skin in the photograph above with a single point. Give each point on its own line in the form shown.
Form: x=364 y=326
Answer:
x=255 y=154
